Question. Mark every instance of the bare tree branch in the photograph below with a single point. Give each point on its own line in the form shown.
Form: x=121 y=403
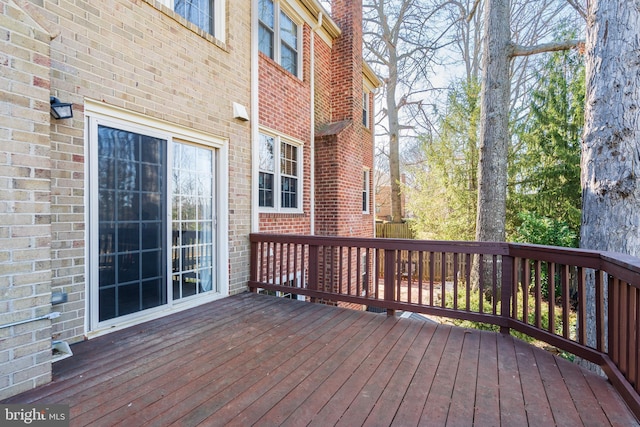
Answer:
x=402 y=38
x=517 y=50
x=473 y=10
x=578 y=7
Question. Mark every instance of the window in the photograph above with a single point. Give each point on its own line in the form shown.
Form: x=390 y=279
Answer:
x=283 y=174
x=266 y=27
x=289 y=175
x=288 y=44
x=193 y=219
x=209 y=15
x=278 y=35
x=365 y=191
x=266 y=178
x=365 y=107
x=153 y=204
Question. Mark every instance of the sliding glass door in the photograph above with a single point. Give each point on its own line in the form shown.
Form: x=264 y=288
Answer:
x=153 y=221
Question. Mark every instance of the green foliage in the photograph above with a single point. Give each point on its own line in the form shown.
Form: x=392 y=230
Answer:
x=541 y=230
x=544 y=193
x=443 y=196
x=545 y=168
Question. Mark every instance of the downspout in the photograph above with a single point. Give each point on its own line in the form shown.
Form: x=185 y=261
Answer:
x=312 y=161
x=255 y=149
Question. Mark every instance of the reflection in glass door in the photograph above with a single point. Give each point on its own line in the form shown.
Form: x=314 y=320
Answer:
x=193 y=220
x=132 y=265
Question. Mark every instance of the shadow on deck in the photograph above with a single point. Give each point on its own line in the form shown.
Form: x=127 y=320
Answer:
x=254 y=359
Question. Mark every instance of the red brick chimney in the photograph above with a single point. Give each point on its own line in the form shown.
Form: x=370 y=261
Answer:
x=347 y=61
x=344 y=147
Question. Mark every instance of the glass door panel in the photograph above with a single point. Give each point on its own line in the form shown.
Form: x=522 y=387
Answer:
x=130 y=222
x=193 y=220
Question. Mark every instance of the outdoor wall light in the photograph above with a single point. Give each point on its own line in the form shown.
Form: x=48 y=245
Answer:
x=60 y=110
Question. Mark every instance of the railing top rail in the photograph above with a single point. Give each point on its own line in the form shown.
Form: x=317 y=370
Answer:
x=626 y=261
x=560 y=255
x=471 y=247
x=624 y=267
x=606 y=261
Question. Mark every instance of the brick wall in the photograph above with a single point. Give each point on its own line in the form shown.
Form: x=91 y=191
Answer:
x=344 y=147
x=322 y=79
x=340 y=154
x=285 y=106
x=347 y=61
x=285 y=98
x=137 y=55
x=25 y=193
x=143 y=57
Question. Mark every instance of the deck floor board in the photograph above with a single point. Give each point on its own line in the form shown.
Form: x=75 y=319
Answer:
x=250 y=405
x=310 y=396
x=512 y=408
x=463 y=397
x=259 y=360
x=563 y=406
x=395 y=392
x=438 y=402
x=410 y=410
x=535 y=398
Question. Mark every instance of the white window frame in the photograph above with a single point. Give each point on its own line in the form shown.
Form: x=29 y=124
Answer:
x=366 y=189
x=278 y=7
x=277 y=173
x=98 y=113
x=219 y=16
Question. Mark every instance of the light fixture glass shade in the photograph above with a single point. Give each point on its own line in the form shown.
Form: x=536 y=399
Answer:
x=60 y=110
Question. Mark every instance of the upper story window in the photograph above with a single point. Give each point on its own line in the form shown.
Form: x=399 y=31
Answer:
x=278 y=35
x=365 y=191
x=279 y=179
x=209 y=15
x=366 y=109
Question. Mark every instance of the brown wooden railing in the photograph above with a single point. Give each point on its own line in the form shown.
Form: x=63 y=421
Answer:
x=544 y=292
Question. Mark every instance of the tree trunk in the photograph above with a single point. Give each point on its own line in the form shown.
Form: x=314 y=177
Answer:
x=394 y=139
x=494 y=134
x=494 y=123
x=611 y=144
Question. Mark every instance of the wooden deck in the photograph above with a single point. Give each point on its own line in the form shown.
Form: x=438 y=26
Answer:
x=259 y=360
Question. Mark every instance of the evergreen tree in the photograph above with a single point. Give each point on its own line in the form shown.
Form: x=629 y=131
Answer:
x=545 y=171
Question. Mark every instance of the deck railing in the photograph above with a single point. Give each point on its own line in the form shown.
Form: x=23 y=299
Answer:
x=544 y=292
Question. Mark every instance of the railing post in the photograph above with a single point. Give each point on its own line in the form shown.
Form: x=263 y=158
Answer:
x=253 y=265
x=389 y=275
x=313 y=270
x=507 y=290
x=612 y=305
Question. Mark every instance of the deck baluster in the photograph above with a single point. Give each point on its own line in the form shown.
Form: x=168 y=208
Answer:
x=389 y=275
